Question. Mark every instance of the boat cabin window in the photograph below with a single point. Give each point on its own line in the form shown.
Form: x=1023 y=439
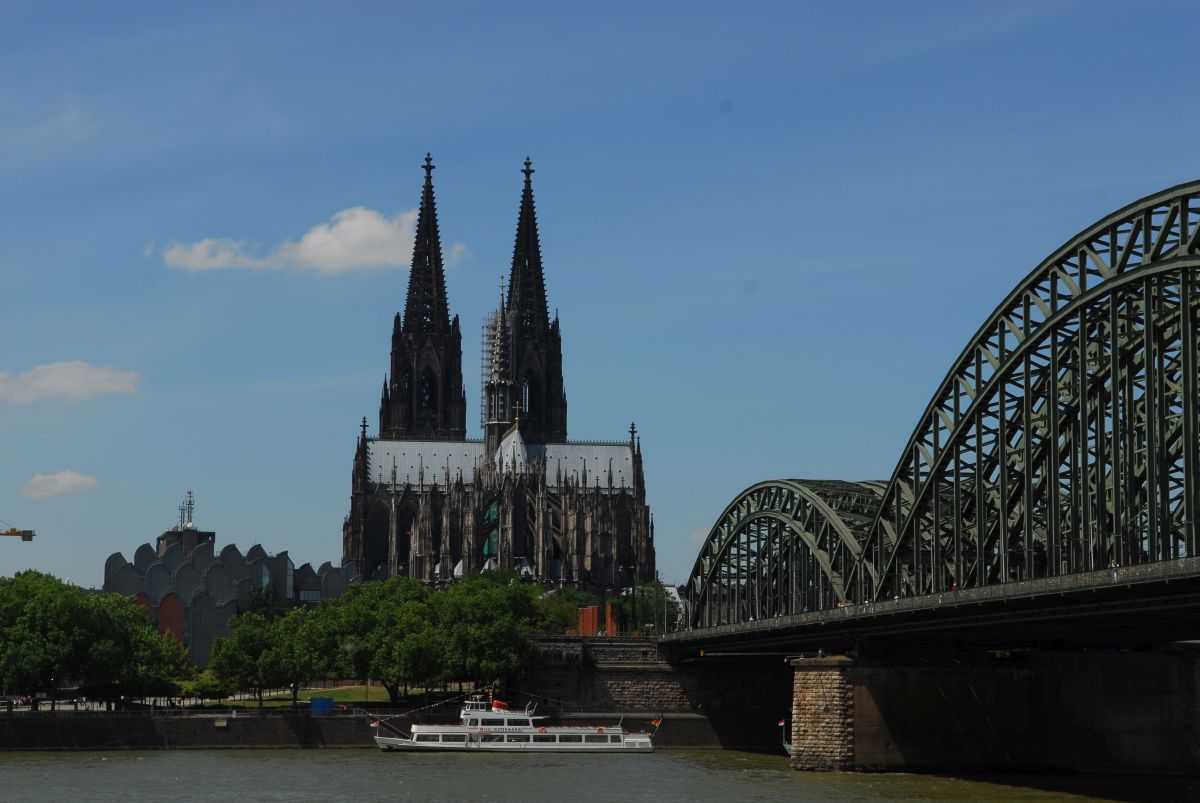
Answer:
x=544 y=737
x=524 y=721
x=491 y=721
x=492 y=737
x=427 y=737
x=518 y=737
x=570 y=737
x=595 y=739
x=454 y=737
x=615 y=739
x=474 y=723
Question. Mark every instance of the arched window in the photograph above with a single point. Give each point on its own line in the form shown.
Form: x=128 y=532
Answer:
x=427 y=393
x=528 y=392
x=491 y=531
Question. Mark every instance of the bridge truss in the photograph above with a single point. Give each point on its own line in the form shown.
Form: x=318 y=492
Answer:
x=1062 y=440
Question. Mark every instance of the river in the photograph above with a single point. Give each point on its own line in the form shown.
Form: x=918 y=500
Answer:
x=368 y=775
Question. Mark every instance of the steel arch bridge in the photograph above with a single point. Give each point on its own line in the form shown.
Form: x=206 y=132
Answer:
x=1062 y=440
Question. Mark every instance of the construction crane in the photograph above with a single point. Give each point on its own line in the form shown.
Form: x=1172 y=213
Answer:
x=24 y=535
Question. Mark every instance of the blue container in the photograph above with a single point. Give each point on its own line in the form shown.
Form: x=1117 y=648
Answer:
x=320 y=706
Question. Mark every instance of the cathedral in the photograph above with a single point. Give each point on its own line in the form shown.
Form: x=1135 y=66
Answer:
x=431 y=504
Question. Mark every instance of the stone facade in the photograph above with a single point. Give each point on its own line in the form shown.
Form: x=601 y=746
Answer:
x=430 y=504
x=606 y=675
x=822 y=714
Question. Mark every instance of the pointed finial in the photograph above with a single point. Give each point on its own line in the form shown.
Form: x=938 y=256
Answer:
x=632 y=431
x=528 y=171
x=517 y=409
x=428 y=167
x=364 y=427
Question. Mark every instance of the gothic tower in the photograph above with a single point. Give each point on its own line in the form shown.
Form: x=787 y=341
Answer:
x=534 y=341
x=429 y=504
x=423 y=398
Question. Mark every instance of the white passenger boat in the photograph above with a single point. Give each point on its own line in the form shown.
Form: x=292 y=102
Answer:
x=491 y=726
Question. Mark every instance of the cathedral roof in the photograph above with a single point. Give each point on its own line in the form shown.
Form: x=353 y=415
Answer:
x=512 y=454
x=576 y=463
x=590 y=461
x=411 y=458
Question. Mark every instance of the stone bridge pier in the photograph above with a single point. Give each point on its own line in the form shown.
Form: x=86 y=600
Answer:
x=1073 y=711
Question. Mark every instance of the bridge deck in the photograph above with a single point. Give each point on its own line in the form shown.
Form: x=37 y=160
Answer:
x=1149 y=603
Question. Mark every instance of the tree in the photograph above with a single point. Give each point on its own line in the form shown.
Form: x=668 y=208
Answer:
x=205 y=686
x=43 y=632
x=242 y=660
x=292 y=654
x=657 y=609
x=558 y=609
x=486 y=626
x=370 y=617
x=125 y=656
x=261 y=601
x=408 y=648
x=52 y=633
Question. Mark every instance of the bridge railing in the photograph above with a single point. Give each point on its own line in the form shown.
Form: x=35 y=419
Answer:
x=1161 y=571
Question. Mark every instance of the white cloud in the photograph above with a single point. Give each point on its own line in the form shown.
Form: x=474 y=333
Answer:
x=74 y=380
x=698 y=536
x=458 y=252
x=62 y=483
x=354 y=239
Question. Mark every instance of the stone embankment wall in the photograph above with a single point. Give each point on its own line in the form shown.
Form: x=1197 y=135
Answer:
x=573 y=674
x=95 y=730
x=706 y=702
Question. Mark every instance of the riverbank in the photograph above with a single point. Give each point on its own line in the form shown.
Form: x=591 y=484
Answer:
x=94 y=730
x=268 y=729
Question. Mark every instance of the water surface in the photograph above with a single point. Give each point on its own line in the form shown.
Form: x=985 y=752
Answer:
x=370 y=775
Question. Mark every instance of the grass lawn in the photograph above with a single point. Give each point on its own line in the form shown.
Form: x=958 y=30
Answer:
x=356 y=694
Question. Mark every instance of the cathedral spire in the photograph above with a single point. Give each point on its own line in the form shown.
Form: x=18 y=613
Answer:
x=424 y=398
x=526 y=284
x=426 y=309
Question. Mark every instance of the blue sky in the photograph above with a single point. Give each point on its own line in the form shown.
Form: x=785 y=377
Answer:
x=768 y=229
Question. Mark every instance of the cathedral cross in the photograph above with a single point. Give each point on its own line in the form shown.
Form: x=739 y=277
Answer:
x=517 y=408
x=528 y=171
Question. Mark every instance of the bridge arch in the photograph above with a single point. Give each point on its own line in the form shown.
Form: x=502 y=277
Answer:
x=780 y=547
x=1062 y=440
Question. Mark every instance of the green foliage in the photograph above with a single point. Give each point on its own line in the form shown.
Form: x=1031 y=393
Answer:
x=400 y=633
x=261 y=601
x=245 y=659
x=487 y=623
x=653 y=611
x=292 y=658
x=558 y=609
x=205 y=686
x=52 y=633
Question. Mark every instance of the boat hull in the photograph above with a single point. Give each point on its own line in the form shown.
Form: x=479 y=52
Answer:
x=392 y=743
